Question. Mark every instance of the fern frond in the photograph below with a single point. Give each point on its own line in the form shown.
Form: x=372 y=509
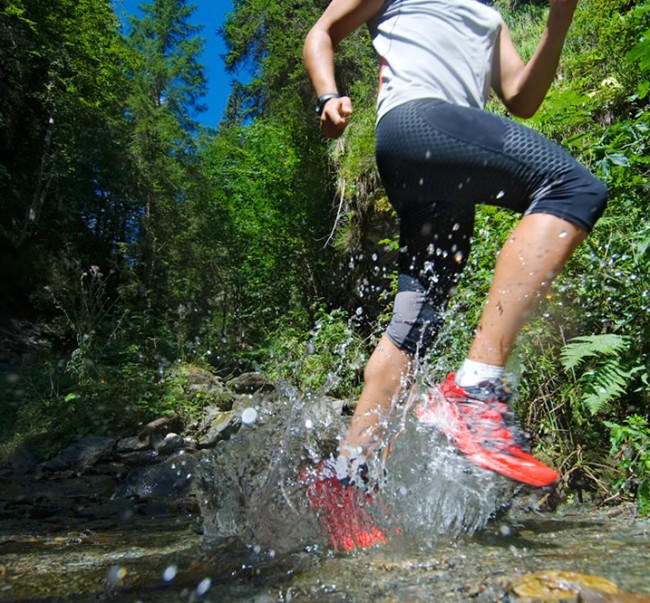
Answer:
x=605 y=385
x=588 y=346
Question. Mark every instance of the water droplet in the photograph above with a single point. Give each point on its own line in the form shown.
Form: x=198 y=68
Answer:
x=500 y=194
x=309 y=424
x=203 y=587
x=564 y=234
x=170 y=573
x=116 y=574
x=248 y=416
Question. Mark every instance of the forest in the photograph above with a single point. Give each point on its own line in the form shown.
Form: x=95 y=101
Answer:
x=137 y=243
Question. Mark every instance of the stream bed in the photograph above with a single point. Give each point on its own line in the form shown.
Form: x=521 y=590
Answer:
x=231 y=522
x=161 y=557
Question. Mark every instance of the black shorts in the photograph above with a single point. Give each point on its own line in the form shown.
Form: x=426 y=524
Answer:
x=437 y=161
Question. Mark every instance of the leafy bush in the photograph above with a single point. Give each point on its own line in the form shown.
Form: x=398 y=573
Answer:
x=330 y=357
x=630 y=448
x=608 y=367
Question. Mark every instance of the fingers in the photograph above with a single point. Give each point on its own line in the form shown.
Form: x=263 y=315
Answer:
x=335 y=117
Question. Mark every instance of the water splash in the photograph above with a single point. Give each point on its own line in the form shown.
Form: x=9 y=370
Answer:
x=250 y=487
x=432 y=489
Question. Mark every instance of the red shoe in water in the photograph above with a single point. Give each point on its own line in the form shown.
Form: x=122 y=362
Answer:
x=479 y=421
x=340 y=506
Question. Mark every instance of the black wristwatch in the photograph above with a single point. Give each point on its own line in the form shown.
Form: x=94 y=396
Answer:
x=322 y=99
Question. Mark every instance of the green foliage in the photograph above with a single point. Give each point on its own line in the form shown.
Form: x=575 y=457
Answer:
x=209 y=246
x=630 y=448
x=590 y=346
x=329 y=358
x=259 y=40
x=60 y=161
x=606 y=373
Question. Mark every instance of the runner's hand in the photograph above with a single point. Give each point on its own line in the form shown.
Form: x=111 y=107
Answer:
x=335 y=117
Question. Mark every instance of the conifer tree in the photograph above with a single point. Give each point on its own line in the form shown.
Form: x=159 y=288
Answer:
x=168 y=82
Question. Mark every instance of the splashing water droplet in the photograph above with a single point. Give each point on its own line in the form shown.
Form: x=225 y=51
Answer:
x=309 y=424
x=203 y=587
x=170 y=573
x=116 y=574
x=248 y=416
x=501 y=195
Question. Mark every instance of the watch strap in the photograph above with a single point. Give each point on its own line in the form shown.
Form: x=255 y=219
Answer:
x=323 y=99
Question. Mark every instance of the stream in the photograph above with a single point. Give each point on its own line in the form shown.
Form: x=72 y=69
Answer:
x=246 y=531
x=162 y=559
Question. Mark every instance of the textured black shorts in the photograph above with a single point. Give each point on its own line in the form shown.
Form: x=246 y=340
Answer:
x=437 y=162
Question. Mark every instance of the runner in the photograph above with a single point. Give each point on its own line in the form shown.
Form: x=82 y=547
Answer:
x=439 y=154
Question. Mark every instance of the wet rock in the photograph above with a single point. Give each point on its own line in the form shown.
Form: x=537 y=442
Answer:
x=251 y=383
x=247 y=486
x=80 y=455
x=166 y=444
x=222 y=401
x=132 y=444
x=161 y=425
x=169 y=479
x=202 y=378
x=144 y=457
x=222 y=426
x=171 y=442
x=558 y=585
x=22 y=461
x=592 y=596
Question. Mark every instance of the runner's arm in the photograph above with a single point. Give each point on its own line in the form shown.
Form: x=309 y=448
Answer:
x=523 y=86
x=340 y=19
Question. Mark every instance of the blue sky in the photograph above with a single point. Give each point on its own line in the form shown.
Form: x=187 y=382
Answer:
x=209 y=14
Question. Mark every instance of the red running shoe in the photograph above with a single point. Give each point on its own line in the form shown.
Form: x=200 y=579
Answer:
x=340 y=506
x=479 y=421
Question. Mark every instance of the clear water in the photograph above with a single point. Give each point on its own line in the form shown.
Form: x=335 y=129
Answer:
x=464 y=534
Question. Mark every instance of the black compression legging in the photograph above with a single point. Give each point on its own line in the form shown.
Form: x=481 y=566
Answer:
x=437 y=162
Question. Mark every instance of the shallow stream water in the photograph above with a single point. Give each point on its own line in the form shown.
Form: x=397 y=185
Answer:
x=163 y=559
x=454 y=532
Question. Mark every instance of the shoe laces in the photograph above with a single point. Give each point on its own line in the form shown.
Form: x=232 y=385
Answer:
x=486 y=412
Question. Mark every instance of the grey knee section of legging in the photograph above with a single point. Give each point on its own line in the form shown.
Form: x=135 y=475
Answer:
x=415 y=321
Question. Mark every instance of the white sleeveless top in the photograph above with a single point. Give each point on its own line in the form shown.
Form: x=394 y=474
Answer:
x=434 y=49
